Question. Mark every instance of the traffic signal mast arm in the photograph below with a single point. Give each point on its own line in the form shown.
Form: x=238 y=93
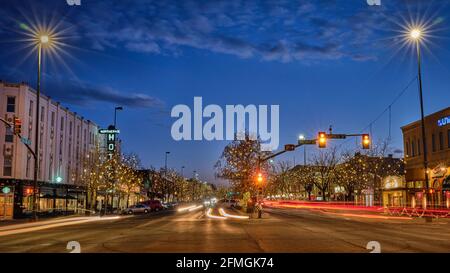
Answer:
x=289 y=148
x=26 y=144
x=322 y=137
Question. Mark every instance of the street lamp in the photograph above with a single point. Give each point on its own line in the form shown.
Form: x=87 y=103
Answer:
x=41 y=40
x=165 y=164
x=120 y=108
x=302 y=137
x=416 y=35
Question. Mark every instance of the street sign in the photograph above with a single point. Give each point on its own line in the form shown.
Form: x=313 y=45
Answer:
x=6 y=190
x=306 y=142
x=25 y=140
x=336 y=136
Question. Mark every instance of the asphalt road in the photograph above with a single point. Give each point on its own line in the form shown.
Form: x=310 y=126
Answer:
x=281 y=230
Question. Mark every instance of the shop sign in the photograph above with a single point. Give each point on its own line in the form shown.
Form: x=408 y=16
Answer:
x=6 y=190
x=444 y=121
x=439 y=171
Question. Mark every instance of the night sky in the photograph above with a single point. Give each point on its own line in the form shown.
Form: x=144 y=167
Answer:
x=328 y=62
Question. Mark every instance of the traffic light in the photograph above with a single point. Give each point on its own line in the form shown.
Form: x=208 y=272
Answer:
x=17 y=126
x=289 y=147
x=260 y=178
x=259 y=181
x=322 y=140
x=365 y=141
x=28 y=191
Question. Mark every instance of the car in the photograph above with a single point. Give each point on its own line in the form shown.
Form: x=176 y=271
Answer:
x=230 y=203
x=154 y=205
x=139 y=208
x=169 y=205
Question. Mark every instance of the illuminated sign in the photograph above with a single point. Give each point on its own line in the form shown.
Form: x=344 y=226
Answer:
x=443 y=121
x=6 y=190
x=110 y=133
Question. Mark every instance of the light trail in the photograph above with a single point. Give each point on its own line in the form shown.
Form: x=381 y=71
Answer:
x=370 y=216
x=223 y=213
x=208 y=214
x=195 y=208
x=186 y=208
x=11 y=230
x=304 y=205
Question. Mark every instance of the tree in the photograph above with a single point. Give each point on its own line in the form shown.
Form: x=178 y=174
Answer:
x=129 y=179
x=239 y=163
x=324 y=168
x=93 y=176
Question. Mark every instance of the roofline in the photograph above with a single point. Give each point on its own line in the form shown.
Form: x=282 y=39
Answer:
x=409 y=125
x=42 y=95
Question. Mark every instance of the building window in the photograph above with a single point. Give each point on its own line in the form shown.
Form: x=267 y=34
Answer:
x=7 y=166
x=42 y=113
x=441 y=141
x=407 y=148
x=62 y=123
x=448 y=138
x=30 y=110
x=9 y=136
x=433 y=142
x=11 y=104
x=418 y=147
x=70 y=128
x=53 y=119
x=27 y=170
x=50 y=168
x=413 y=148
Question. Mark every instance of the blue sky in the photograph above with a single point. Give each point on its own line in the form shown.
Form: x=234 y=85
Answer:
x=325 y=62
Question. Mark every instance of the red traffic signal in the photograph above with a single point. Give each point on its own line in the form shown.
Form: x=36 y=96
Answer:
x=28 y=191
x=365 y=141
x=17 y=126
x=322 y=139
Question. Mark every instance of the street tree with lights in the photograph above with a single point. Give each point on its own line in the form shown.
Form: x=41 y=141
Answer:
x=240 y=162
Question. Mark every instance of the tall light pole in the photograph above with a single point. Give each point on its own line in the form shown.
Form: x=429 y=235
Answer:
x=302 y=137
x=416 y=35
x=165 y=163
x=182 y=171
x=120 y=108
x=41 y=40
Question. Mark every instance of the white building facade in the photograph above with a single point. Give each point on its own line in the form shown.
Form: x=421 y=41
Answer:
x=66 y=140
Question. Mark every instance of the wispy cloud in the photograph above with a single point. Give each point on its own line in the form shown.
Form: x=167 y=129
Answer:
x=270 y=30
x=80 y=93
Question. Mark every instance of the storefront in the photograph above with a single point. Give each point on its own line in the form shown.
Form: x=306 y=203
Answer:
x=430 y=194
x=439 y=194
x=53 y=198
x=394 y=191
x=6 y=202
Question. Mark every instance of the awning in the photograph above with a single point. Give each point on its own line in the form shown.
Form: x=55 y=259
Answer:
x=51 y=196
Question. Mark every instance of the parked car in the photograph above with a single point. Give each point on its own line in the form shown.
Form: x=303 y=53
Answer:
x=154 y=205
x=139 y=208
